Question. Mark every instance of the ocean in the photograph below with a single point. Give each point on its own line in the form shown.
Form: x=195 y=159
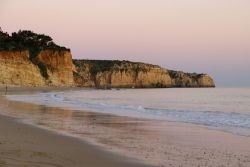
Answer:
x=225 y=109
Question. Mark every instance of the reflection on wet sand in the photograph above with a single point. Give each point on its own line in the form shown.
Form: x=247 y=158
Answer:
x=156 y=142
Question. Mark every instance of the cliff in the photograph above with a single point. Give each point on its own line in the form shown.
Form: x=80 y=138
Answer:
x=30 y=59
x=17 y=70
x=125 y=74
x=55 y=68
x=48 y=68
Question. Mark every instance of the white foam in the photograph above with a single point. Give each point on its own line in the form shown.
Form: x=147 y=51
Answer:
x=122 y=105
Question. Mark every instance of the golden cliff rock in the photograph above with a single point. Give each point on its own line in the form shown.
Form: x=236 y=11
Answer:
x=49 y=68
x=125 y=74
x=17 y=70
x=55 y=68
x=58 y=66
x=30 y=59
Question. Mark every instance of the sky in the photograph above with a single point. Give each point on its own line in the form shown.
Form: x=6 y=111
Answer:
x=203 y=36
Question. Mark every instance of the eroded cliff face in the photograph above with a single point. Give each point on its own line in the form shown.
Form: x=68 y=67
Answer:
x=49 y=68
x=181 y=79
x=48 y=64
x=124 y=74
x=17 y=70
x=130 y=75
x=57 y=67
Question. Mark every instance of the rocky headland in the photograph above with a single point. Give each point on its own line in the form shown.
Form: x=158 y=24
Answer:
x=125 y=74
x=30 y=60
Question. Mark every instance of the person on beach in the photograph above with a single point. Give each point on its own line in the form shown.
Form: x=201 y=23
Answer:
x=6 y=89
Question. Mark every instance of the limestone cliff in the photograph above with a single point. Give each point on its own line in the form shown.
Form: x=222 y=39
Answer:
x=17 y=70
x=181 y=79
x=48 y=68
x=31 y=59
x=125 y=74
x=57 y=66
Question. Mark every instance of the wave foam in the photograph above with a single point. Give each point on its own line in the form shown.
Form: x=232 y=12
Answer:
x=217 y=119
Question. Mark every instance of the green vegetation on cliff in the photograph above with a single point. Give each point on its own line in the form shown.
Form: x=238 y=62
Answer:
x=179 y=74
x=54 y=63
x=27 y=40
x=107 y=65
x=99 y=65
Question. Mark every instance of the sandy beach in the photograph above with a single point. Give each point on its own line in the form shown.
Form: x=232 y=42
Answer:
x=26 y=145
x=107 y=140
x=125 y=83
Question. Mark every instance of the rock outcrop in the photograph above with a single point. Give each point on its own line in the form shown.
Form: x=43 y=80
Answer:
x=125 y=74
x=122 y=75
x=181 y=79
x=57 y=66
x=17 y=70
x=31 y=59
x=49 y=68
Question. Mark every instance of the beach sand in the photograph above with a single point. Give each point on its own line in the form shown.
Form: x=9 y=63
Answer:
x=24 y=145
x=28 y=146
x=107 y=140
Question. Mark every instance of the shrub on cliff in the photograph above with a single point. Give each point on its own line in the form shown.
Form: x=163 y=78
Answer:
x=99 y=65
x=5 y=42
x=28 y=40
x=107 y=65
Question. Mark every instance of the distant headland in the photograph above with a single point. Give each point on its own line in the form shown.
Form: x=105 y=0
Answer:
x=28 y=59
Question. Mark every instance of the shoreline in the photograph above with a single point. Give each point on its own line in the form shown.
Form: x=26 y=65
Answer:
x=25 y=144
x=159 y=142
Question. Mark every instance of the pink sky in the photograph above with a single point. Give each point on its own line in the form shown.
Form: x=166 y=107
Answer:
x=210 y=36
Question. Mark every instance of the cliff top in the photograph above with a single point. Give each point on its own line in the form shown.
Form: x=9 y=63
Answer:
x=107 y=65
x=28 y=40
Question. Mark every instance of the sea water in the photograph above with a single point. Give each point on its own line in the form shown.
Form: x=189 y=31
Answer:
x=226 y=109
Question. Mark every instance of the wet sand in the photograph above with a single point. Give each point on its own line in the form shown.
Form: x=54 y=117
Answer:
x=159 y=143
x=26 y=145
